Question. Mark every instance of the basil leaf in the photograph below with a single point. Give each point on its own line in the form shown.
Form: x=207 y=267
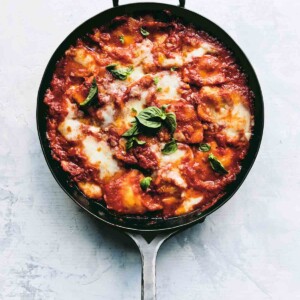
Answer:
x=121 y=38
x=92 y=93
x=134 y=130
x=111 y=67
x=121 y=74
x=132 y=142
x=144 y=32
x=155 y=80
x=216 y=165
x=145 y=183
x=173 y=69
x=170 y=147
x=171 y=122
x=151 y=117
x=159 y=89
x=204 y=147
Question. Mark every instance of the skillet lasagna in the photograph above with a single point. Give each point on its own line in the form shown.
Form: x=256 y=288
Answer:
x=149 y=116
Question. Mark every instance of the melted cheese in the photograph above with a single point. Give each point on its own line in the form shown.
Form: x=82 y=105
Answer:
x=143 y=53
x=108 y=114
x=176 y=61
x=99 y=153
x=70 y=129
x=92 y=190
x=188 y=204
x=85 y=59
x=169 y=83
x=240 y=121
x=72 y=110
x=168 y=165
x=130 y=106
x=137 y=74
x=198 y=52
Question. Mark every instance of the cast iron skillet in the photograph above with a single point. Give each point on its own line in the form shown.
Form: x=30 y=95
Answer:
x=149 y=231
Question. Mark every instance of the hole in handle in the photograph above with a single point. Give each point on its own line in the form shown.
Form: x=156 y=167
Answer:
x=181 y=3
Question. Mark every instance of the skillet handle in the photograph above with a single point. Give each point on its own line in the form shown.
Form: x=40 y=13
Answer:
x=181 y=3
x=148 y=253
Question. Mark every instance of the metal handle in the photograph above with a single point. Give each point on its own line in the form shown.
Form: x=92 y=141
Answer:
x=181 y=3
x=148 y=252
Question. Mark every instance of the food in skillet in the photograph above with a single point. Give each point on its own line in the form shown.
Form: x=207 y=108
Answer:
x=149 y=116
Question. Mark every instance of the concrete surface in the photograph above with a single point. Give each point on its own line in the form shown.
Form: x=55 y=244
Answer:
x=249 y=249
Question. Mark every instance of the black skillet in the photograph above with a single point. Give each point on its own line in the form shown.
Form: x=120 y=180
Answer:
x=149 y=232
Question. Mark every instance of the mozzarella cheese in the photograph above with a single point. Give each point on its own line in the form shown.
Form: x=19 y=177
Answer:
x=176 y=61
x=188 y=204
x=133 y=104
x=92 y=190
x=70 y=129
x=99 y=153
x=169 y=83
x=198 y=52
x=143 y=53
x=85 y=59
x=168 y=165
x=240 y=121
x=108 y=112
x=136 y=74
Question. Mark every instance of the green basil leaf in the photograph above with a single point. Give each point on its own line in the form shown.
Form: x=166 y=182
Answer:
x=144 y=32
x=134 y=130
x=129 y=144
x=204 y=147
x=170 y=147
x=133 y=141
x=155 y=80
x=171 y=122
x=216 y=165
x=121 y=74
x=111 y=67
x=151 y=117
x=121 y=38
x=159 y=89
x=92 y=93
x=145 y=183
x=173 y=69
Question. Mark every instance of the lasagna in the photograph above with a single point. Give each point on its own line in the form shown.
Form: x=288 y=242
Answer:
x=149 y=116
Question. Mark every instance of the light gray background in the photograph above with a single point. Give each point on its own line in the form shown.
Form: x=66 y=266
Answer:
x=249 y=249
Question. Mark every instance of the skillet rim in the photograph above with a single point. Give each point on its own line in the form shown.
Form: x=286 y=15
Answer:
x=240 y=57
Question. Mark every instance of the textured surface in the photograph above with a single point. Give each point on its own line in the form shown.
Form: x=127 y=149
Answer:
x=50 y=249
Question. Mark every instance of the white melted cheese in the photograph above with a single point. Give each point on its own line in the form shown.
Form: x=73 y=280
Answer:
x=176 y=61
x=117 y=87
x=188 y=204
x=176 y=177
x=172 y=158
x=169 y=84
x=168 y=168
x=133 y=104
x=136 y=74
x=99 y=153
x=198 y=52
x=143 y=53
x=108 y=112
x=85 y=59
x=92 y=190
x=72 y=110
x=240 y=121
x=70 y=129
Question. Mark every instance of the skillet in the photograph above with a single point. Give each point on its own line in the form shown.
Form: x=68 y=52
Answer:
x=149 y=232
